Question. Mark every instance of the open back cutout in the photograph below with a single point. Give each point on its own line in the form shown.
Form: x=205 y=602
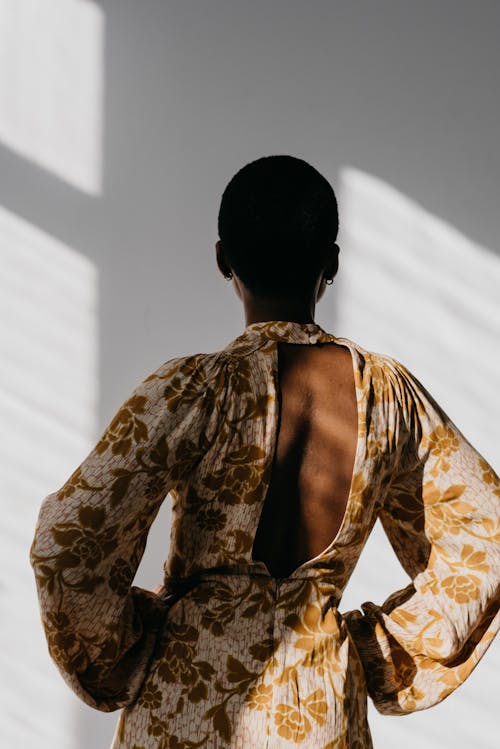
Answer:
x=314 y=456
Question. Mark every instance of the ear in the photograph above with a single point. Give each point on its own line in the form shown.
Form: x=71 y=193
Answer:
x=333 y=260
x=221 y=260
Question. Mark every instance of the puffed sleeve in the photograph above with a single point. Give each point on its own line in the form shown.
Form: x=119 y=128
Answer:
x=441 y=515
x=91 y=533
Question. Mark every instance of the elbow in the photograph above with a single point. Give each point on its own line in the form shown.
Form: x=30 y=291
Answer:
x=96 y=684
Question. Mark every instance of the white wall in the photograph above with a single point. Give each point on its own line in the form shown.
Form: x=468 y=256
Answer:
x=405 y=92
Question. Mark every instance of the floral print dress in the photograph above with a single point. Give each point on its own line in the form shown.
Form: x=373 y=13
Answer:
x=227 y=655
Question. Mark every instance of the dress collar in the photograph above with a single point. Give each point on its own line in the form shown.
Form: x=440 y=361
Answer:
x=258 y=333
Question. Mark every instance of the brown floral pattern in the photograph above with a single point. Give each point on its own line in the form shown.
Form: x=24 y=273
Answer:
x=224 y=655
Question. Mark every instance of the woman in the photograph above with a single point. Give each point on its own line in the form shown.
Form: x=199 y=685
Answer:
x=279 y=453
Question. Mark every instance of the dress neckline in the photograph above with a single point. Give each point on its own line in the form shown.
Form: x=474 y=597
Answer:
x=289 y=331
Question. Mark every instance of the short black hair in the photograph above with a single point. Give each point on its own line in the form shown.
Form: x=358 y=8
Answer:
x=276 y=216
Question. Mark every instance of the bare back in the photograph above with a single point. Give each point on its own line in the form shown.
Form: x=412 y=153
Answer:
x=314 y=456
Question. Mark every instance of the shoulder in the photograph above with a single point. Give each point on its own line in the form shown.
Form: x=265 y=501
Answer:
x=374 y=368
x=187 y=393
x=196 y=366
x=393 y=380
x=197 y=380
x=385 y=365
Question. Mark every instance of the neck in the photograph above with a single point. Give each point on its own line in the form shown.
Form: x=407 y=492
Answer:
x=261 y=310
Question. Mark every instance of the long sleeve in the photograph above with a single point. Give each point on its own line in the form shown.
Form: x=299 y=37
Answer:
x=91 y=533
x=441 y=513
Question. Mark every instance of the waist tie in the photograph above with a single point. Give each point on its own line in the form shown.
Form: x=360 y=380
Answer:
x=312 y=584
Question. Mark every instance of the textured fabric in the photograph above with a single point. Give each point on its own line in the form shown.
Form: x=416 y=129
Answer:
x=227 y=655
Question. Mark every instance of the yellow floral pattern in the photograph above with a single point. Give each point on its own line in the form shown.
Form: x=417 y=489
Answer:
x=227 y=655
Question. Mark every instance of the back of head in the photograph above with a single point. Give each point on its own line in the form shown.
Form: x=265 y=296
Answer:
x=277 y=216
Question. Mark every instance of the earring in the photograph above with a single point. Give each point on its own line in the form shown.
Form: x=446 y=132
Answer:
x=229 y=276
x=329 y=281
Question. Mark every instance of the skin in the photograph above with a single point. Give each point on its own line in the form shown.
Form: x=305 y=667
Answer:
x=260 y=309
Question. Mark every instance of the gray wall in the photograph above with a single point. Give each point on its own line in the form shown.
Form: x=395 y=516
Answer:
x=404 y=91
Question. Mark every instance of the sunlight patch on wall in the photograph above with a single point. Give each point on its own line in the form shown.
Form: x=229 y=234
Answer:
x=411 y=286
x=51 y=86
x=48 y=409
